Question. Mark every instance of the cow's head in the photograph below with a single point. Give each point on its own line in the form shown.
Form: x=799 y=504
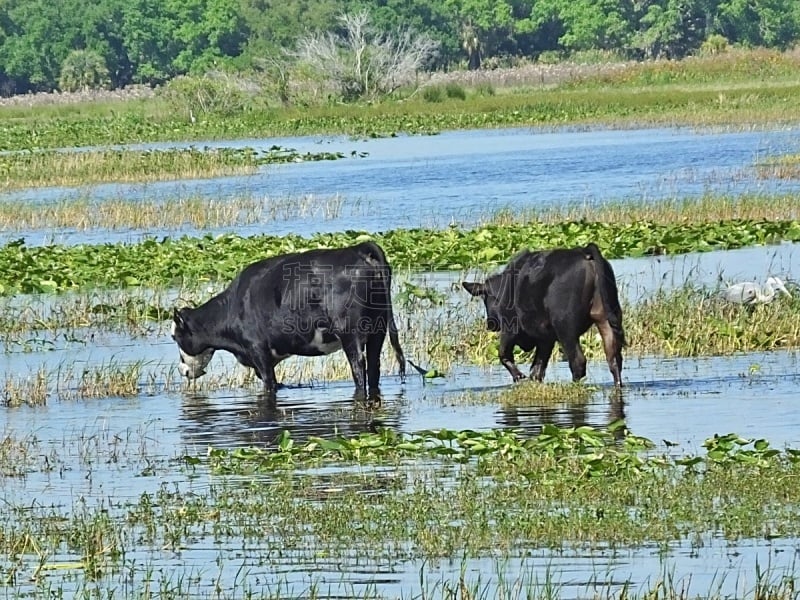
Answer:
x=487 y=292
x=192 y=363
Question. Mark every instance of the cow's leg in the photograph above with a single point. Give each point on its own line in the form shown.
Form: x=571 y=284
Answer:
x=354 y=350
x=612 y=350
x=570 y=340
x=264 y=365
x=541 y=356
x=374 y=346
x=506 y=353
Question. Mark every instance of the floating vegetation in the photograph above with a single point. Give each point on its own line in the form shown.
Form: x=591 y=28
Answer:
x=189 y=260
x=460 y=446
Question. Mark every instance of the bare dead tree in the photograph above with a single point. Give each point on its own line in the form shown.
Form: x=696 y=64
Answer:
x=364 y=62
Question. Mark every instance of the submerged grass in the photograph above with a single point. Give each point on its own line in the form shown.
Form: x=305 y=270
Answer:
x=706 y=209
x=430 y=495
x=85 y=214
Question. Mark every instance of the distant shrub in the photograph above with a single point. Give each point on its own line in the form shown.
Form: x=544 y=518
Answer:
x=83 y=70
x=714 y=44
x=433 y=93
x=484 y=88
x=550 y=57
x=455 y=90
x=595 y=57
x=217 y=94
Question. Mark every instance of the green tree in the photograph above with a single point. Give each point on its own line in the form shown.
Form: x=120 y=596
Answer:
x=206 y=32
x=588 y=24
x=38 y=36
x=83 y=70
x=770 y=23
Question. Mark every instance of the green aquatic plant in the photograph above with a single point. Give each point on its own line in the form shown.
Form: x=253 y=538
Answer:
x=190 y=260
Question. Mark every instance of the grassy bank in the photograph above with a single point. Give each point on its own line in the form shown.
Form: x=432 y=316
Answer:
x=741 y=90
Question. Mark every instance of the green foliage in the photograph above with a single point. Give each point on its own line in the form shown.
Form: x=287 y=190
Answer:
x=484 y=88
x=599 y=451
x=714 y=44
x=83 y=70
x=149 y=41
x=454 y=90
x=433 y=93
x=202 y=96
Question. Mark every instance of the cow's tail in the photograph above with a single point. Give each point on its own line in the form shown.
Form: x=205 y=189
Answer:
x=607 y=285
x=395 y=341
x=375 y=256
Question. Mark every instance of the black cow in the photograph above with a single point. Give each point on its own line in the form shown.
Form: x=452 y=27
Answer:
x=554 y=296
x=305 y=303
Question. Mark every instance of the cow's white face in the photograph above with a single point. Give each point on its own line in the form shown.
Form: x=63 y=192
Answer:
x=191 y=366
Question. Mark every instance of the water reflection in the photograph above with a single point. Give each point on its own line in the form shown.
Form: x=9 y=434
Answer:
x=252 y=419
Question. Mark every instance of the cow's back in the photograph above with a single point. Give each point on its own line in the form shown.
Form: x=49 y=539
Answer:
x=552 y=282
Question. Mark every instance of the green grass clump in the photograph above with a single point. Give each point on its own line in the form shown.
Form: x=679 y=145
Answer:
x=693 y=322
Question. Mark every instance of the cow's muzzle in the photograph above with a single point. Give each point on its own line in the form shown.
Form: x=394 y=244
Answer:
x=193 y=367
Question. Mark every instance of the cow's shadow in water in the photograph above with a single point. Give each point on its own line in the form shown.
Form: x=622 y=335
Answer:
x=255 y=419
x=530 y=418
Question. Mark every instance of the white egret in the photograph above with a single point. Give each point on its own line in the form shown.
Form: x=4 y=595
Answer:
x=750 y=292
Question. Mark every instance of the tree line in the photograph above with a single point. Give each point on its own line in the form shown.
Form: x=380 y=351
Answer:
x=74 y=44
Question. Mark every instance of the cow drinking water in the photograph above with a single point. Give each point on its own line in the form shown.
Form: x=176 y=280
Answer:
x=551 y=296
x=305 y=303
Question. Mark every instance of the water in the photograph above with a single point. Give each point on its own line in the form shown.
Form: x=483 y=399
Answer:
x=463 y=176
x=112 y=450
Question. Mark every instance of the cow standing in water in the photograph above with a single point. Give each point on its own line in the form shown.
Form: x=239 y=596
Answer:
x=305 y=303
x=554 y=296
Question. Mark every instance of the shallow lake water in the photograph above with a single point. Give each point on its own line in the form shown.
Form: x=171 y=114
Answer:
x=104 y=448
x=461 y=177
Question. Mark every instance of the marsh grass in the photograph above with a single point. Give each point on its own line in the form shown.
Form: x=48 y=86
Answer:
x=533 y=393
x=693 y=322
x=566 y=491
x=31 y=389
x=780 y=167
x=63 y=168
x=71 y=382
x=706 y=209
x=84 y=214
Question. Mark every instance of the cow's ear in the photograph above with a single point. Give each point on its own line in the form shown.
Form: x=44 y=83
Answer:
x=177 y=318
x=474 y=288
